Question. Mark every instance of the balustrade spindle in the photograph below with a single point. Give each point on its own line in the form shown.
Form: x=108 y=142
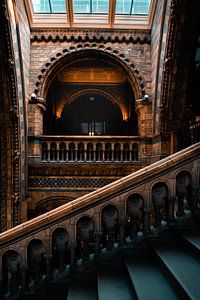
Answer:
x=88 y=151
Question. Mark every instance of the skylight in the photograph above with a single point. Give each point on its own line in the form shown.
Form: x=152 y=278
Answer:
x=49 y=6
x=132 y=7
x=91 y=6
x=91 y=13
x=123 y=7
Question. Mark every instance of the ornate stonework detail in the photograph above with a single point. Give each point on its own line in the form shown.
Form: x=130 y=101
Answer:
x=168 y=67
x=80 y=49
x=10 y=123
x=69 y=182
x=102 y=36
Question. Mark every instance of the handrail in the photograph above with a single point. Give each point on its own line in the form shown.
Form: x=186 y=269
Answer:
x=101 y=195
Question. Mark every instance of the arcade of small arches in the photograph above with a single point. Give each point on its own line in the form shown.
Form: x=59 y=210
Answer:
x=121 y=221
x=89 y=152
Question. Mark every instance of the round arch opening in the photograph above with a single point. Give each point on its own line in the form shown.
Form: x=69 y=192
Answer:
x=90 y=97
x=93 y=114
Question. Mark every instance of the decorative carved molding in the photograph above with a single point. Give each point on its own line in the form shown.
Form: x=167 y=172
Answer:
x=100 y=36
x=168 y=67
x=69 y=54
x=11 y=123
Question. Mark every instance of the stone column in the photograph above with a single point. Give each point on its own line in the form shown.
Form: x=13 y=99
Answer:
x=171 y=202
x=110 y=239
x=195 y=194
x=146 y=229
x=36 y=107
x=122 y=228
x=72 y=257
x=181 y=196
x=49 y=270
x=23 y=276
x=98 y=236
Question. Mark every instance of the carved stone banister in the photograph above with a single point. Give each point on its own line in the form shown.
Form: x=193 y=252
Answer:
x=149 y=174
x=66 y=149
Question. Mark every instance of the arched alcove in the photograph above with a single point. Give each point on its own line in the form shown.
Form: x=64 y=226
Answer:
x=91 y=96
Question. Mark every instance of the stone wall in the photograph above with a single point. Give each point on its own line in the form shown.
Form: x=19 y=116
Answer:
x=18 y=23
x=137 y=50
x=24 y=34
x=156 y=38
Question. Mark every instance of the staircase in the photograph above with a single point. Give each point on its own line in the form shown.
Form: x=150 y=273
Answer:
x=164 y=267
x=135 y=238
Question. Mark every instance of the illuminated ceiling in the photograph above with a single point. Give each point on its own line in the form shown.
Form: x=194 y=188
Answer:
x=123 y=14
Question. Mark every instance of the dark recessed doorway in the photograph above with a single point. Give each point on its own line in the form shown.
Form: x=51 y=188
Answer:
x=92 y=114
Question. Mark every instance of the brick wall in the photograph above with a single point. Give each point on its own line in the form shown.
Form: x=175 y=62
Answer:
x=139 y=54
x=24 y=32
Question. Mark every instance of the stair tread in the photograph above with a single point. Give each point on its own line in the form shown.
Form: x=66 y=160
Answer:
x=182 y=265
x=148 y=279
x=192 y=236
x=113 y=282
x=83 y=287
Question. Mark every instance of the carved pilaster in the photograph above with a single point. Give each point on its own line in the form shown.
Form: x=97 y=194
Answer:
x=168 y=68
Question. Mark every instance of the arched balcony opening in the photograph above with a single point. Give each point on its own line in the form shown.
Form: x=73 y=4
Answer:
x=11 y=273
x=108 y=152
x=81 y=152
x=110 y=226
x=135 y=203
x=185 y=201
x=117 y=152
x=60 y=249
x=160 y=202
x=36 y=261
x=62 y=152
x=85 y=237
x=90 y=152
x=72 y=152
x=53 y=152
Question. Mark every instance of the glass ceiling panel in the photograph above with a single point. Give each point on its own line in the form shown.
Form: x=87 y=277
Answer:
x=49 y=6
x=123 y=7
x=141 y=7
x=91 y=6
x=132 y=7
x=58 y=6
x=41 y=6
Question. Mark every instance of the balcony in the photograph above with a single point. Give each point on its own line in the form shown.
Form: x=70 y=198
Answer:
x=87 y=149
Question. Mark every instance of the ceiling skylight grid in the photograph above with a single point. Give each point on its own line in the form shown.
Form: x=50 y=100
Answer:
x=49 y=6
x=91 y=6
x=132 y=7
x=91 y=13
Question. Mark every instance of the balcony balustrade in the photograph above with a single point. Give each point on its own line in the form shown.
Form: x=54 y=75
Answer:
x=89 y=149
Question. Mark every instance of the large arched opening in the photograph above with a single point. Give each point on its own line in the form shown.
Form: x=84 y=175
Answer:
x=91 y=96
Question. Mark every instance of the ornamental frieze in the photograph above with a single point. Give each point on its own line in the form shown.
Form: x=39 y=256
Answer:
x=102 y=36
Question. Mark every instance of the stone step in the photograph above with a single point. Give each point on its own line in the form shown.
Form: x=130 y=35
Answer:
x=190 y=237
x=148 y=280
x=114 y=282
x=83 y=287
x=181 y=265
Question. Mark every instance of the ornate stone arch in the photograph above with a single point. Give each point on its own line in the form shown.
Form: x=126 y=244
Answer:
x=68 y=55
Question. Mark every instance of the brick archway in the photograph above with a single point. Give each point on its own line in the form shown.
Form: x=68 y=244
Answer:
x=64 y=58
